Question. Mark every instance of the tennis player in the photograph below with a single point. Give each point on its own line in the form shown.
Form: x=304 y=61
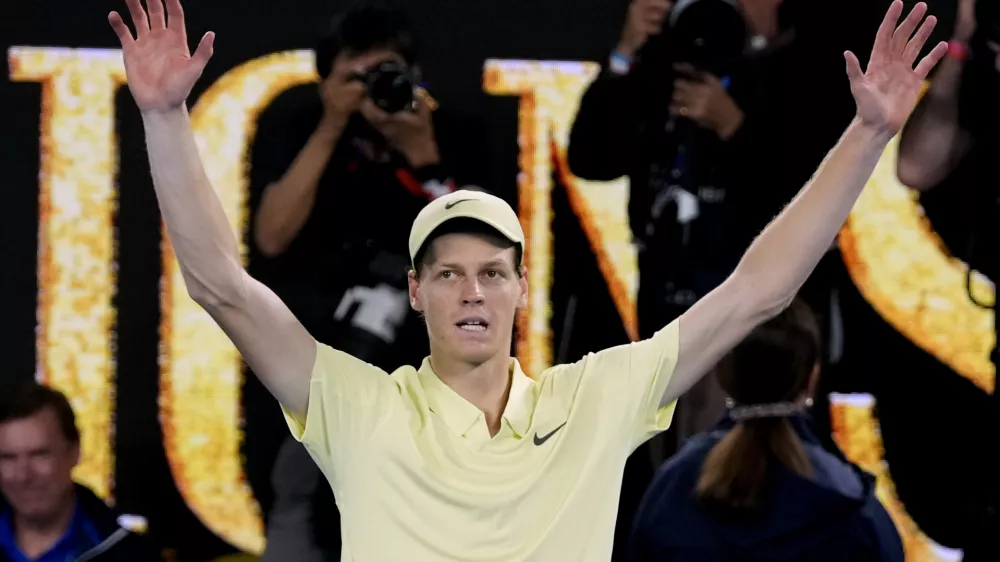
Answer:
x=465 y=457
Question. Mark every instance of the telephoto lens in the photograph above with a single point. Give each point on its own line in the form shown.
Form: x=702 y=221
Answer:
x=390 y=85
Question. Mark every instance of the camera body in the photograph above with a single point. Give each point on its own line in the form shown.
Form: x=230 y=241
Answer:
x=708 y=34
x=390 y=85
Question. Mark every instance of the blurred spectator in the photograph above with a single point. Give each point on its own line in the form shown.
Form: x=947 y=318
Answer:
x=44 y=515
x=760 y=485
x=950 y=143
x=951 y=139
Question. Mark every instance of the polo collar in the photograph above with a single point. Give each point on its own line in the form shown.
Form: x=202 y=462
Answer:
x=464 y=418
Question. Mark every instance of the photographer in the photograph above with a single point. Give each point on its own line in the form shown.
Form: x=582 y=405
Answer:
x=339 y=171
x=709 y=108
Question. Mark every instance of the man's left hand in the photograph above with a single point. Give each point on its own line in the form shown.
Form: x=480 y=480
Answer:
x=409 y=132
x=888 y=89
x=701 y=97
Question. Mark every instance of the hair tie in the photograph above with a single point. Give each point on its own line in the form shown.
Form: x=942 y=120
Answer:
x=760 y=411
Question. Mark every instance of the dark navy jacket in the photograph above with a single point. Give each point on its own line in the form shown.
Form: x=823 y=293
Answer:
x=834 y=517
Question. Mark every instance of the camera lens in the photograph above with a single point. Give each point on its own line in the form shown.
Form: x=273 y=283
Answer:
x=390 y=85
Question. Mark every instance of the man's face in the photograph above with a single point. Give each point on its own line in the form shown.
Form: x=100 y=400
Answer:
x=469 y=296
x=36 y=465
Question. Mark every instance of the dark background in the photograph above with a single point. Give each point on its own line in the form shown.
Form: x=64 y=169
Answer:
x=932 y=420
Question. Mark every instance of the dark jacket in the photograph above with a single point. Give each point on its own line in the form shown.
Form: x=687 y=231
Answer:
x=114 y=543
x=832 y=518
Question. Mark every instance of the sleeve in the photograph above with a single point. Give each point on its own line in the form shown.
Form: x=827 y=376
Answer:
x=605 y=136
x=647 y=367
x=281 y=131
x=348 y=399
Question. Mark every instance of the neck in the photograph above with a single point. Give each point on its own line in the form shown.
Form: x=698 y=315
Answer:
x=485 y=385
x=36 y=535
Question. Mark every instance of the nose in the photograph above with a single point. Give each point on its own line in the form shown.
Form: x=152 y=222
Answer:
x=472 y=292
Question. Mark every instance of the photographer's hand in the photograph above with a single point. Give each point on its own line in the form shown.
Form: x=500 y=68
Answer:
x=409 y=132
x=342 y=95
x=645 y=19
x=703 y=99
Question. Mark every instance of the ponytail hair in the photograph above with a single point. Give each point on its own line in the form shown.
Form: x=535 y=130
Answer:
x=766 y=376
x=734 y=476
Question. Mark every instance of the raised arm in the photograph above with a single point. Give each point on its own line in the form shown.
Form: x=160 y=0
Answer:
x=161 y=72
x=785 y=254
x=933 y=142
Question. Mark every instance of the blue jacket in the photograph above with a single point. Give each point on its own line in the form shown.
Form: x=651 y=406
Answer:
x=833 y=517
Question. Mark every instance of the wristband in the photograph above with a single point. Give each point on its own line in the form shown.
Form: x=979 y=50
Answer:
x=958 y=50
x=619 y=63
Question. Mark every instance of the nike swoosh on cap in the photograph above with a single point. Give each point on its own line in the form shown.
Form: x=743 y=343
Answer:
x=453 y=203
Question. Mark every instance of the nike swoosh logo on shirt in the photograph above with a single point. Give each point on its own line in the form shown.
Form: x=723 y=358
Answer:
x=540 y=440
x=453 y=203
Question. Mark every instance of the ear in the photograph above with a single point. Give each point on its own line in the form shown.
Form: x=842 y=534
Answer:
x=75 y=451
x=414 y=286
x=522 y=284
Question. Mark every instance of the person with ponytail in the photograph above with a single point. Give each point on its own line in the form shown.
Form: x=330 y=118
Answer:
x=760 y=485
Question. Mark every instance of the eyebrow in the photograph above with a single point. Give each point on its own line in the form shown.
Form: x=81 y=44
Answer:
x=492 y=263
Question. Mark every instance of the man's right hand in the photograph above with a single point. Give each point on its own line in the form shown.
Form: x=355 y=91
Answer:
x=158 y=64
x=645 y=19
x=342 y=94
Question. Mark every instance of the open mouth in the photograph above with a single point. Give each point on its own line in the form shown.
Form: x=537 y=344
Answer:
x=473 y=324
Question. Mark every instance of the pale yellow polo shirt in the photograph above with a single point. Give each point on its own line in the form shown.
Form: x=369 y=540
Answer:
x=418 y=478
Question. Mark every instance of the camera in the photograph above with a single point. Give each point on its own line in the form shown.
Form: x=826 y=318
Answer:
x=708 y=34
x=390 y=85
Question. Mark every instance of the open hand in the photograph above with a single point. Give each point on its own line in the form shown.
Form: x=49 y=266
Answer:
x=159 y=66
x=409 y=132
x=887 y=91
